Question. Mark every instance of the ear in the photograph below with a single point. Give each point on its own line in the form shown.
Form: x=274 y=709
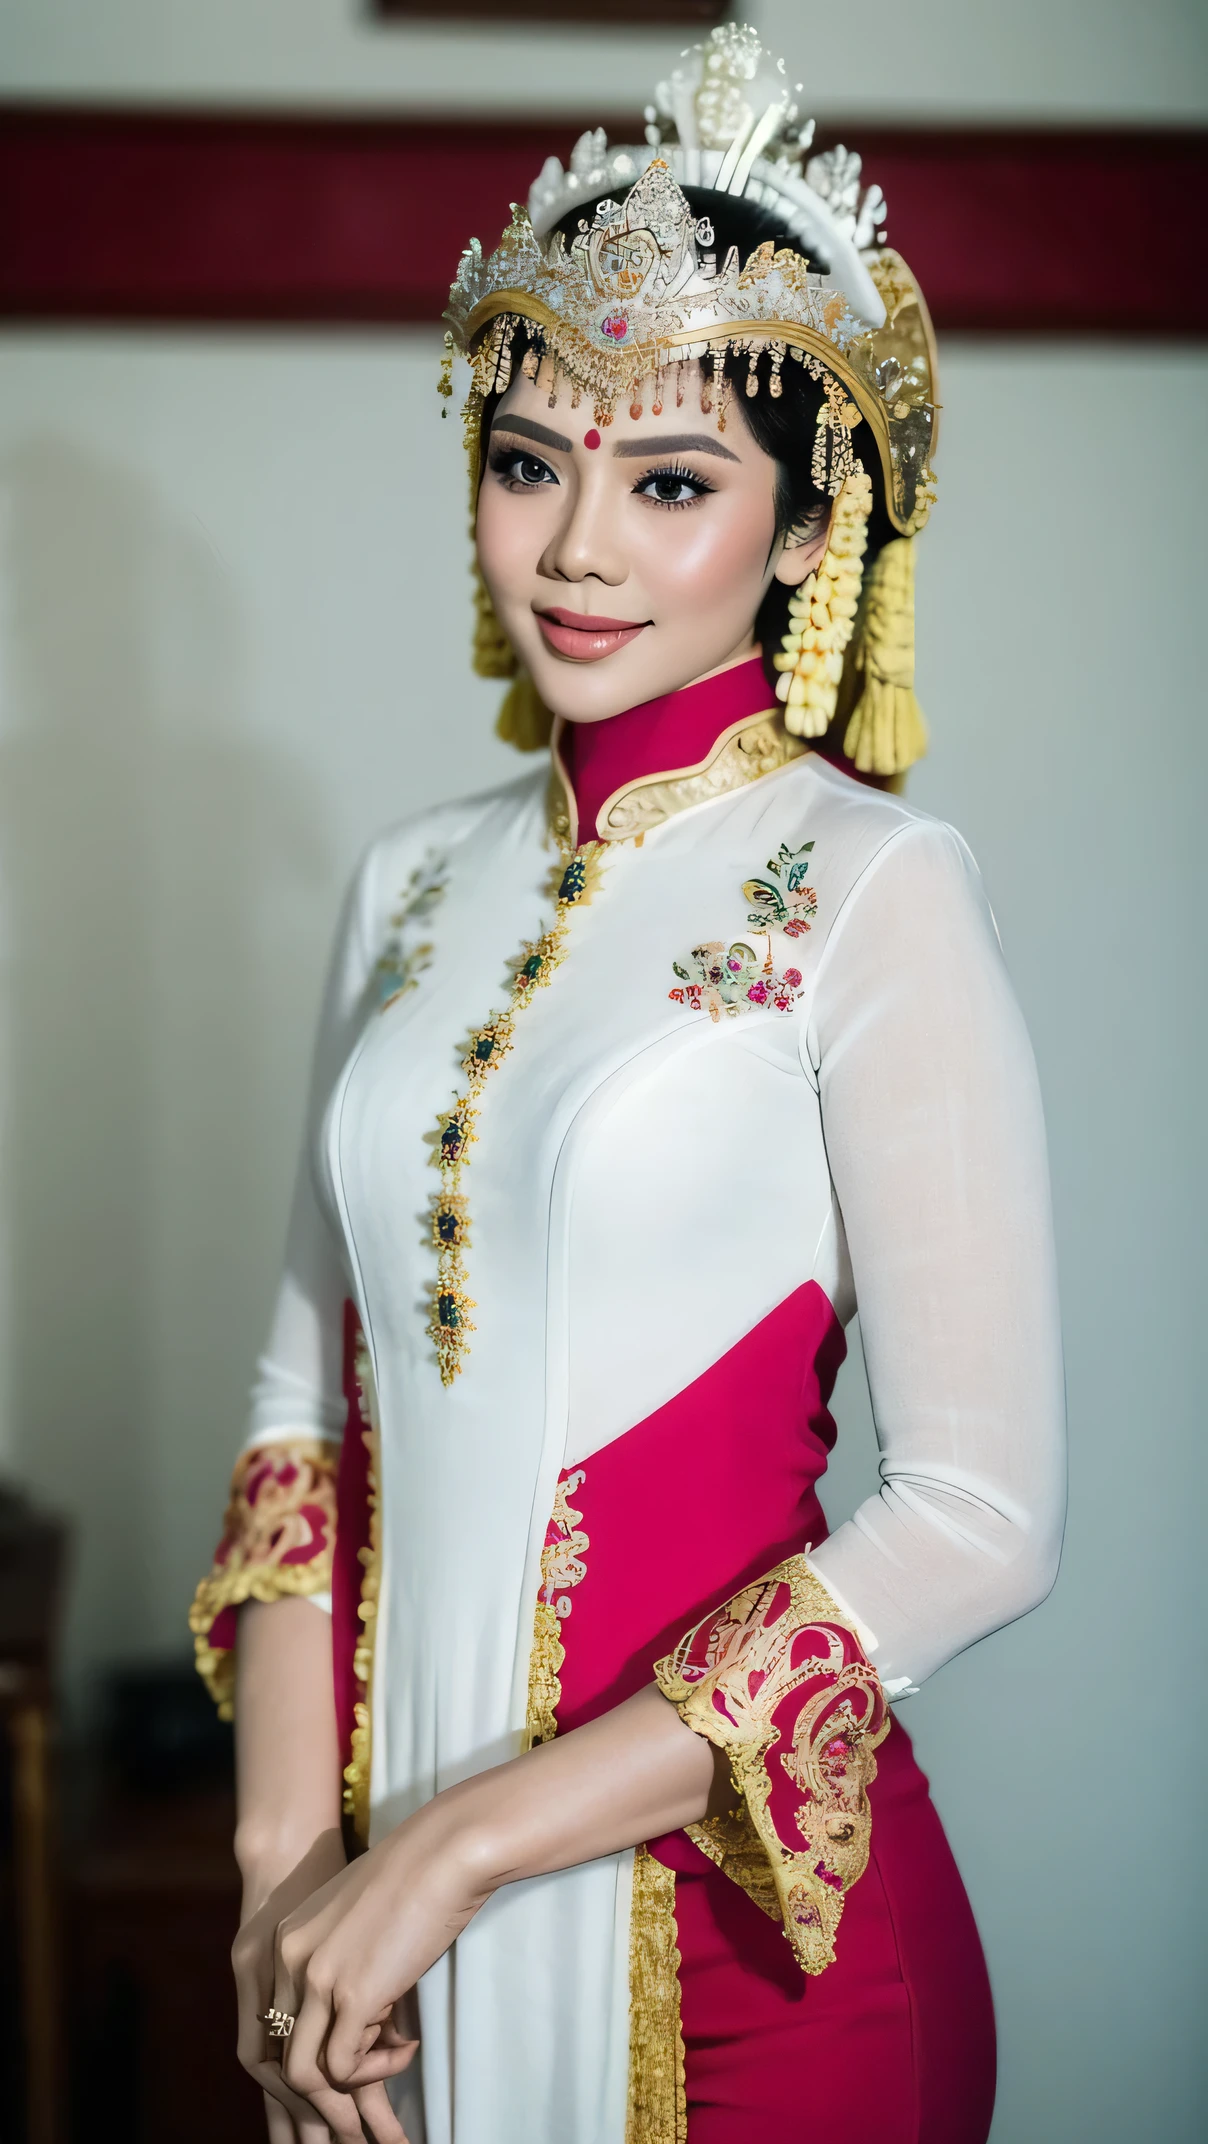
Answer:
x=800 y=554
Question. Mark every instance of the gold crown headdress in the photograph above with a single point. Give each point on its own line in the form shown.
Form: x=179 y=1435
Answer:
x=638 y=291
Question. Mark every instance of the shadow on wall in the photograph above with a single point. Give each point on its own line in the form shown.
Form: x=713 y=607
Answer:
x=144 y=847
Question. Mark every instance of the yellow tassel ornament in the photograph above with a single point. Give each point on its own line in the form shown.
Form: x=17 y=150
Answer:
x=524 y=719
x=822 y=616
x=886 y=732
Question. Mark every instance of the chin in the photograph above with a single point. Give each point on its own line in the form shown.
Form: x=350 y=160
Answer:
x=591 y=692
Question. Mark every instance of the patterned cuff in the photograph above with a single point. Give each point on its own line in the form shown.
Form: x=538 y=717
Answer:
x=277 y=1540
x=778 y=1680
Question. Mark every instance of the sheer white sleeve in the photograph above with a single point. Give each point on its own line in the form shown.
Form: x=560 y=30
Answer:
x=299 y=1389
x=933 y=1125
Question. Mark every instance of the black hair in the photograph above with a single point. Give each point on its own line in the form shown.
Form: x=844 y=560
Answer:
x=783 y=425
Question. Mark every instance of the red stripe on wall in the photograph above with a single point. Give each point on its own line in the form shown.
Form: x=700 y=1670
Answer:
x=165 y=216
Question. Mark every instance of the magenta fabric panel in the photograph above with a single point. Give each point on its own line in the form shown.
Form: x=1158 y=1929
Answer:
x=892 y=2044
x=660 y=737
x=707 y=1493
x=352 y=1535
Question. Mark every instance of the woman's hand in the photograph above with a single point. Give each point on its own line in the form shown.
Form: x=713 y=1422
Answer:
x=287 y=1841
x=347 y=1955
x=291 y=2120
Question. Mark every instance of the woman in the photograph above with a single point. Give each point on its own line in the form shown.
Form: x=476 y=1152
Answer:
x=586 y=1203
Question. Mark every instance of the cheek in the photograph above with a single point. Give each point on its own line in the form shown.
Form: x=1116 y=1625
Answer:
x=715 y=553
x=510 y=535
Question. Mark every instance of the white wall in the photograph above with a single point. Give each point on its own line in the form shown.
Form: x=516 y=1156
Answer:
x=233 y=630
x=1091 y=58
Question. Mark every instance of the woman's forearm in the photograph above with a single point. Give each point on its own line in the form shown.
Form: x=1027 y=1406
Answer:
x=633 y=1774
x=287 y=1750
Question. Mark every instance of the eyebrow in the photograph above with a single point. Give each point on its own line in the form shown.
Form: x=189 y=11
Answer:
x=679 y=443
x=541 y=433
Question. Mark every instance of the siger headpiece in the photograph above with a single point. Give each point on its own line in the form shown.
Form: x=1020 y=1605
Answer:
x=638 y=291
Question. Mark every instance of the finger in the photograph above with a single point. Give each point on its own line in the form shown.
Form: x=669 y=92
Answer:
x=380 y=2063
x=354 y=2037
x=378 y=2116
x=281 y=2126
x=300 y=2112
x=300 y=2054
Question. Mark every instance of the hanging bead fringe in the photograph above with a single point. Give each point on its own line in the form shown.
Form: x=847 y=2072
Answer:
x=822 y=614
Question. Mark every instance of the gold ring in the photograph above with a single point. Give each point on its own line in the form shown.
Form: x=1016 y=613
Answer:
x=279 y=2022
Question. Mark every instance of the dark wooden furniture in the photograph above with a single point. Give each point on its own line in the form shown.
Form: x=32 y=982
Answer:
x=31 y=1571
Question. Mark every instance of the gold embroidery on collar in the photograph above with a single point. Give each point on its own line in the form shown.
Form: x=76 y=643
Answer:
x=744 y=753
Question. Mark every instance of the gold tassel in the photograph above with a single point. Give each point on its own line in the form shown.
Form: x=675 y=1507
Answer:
x=822 y=615
x=493 y=655
x=524 y=719
x=886 y=732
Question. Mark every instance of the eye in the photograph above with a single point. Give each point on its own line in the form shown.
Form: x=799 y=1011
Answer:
x=672 y=486
x=523 y=472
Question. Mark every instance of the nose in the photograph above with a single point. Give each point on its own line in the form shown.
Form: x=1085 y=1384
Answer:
x=585 y=543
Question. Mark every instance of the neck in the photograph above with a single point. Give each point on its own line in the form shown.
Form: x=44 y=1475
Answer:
x=666 y=736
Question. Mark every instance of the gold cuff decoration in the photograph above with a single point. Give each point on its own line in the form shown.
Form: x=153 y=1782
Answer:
x=778 y=1680
x=278 y=1534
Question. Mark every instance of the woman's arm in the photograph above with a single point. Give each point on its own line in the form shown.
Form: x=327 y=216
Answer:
x=287 y=1753
x=935 y=1138
x=288 y=1842
x=347 y=1955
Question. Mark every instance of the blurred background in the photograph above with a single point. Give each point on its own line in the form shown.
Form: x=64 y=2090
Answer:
x=234 y=633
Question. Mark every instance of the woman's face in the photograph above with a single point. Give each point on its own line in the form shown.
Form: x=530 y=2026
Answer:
x=626 y=561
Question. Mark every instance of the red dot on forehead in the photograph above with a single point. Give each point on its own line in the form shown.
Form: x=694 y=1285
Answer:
x=592 y=438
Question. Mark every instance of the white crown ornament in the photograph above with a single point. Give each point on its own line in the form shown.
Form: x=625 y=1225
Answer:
x=638 y=290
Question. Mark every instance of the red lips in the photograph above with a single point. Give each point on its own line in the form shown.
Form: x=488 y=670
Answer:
x=585 y=639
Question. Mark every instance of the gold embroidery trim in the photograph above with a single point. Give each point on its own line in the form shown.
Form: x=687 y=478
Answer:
x=259 y=1530
x=657 y=2110
x=574 y=881
x=780 y=1639
x=358 y=1769
x=562 y=1568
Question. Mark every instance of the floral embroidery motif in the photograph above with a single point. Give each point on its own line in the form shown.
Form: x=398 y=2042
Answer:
x=402 y=963
x=777 y=1680
x=727 y=979
x=562 y=1568
x=277 y=1537
x=790 y=903
x=573 y=882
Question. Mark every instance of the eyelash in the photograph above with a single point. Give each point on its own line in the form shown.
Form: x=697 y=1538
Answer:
x=673 y=472
x=505 y=462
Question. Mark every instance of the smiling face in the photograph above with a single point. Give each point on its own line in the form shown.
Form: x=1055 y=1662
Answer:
x=626 y=562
